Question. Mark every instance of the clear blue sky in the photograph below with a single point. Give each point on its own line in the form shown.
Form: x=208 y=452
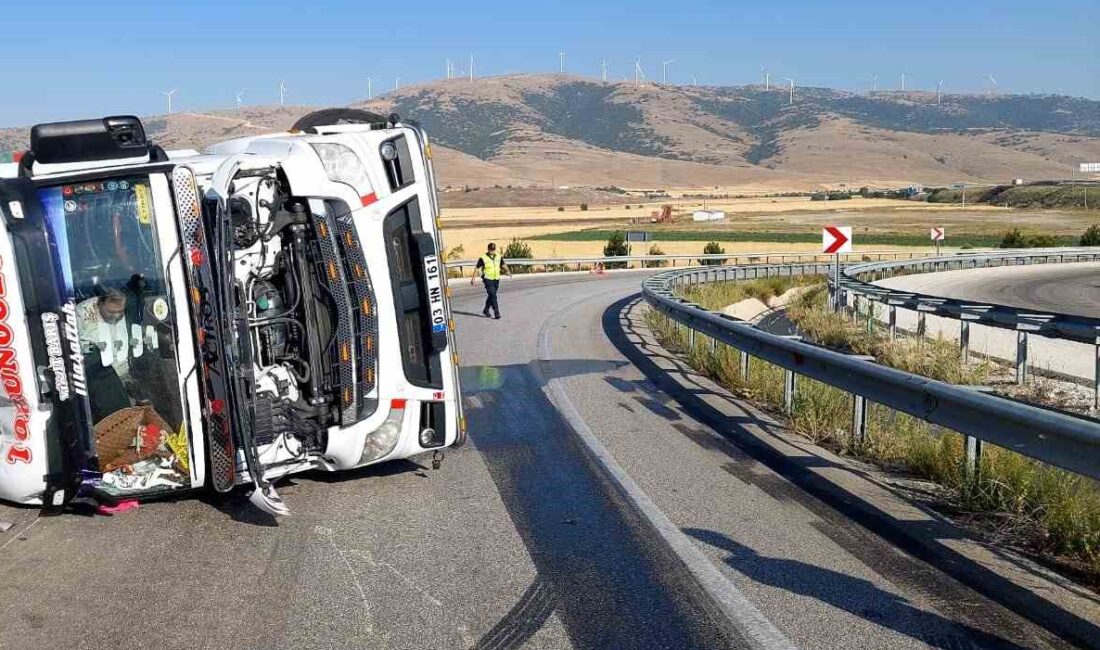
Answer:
x=69 y=59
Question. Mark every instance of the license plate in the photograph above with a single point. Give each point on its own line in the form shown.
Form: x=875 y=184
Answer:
x=432 y=271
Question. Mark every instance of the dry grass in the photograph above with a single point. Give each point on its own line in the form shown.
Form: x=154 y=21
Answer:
x=1044 y=510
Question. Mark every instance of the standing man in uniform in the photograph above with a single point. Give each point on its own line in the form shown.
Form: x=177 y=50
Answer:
x=489 y=266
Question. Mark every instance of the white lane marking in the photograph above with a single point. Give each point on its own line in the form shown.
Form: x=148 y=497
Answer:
x=725 y=598
x=21 y=533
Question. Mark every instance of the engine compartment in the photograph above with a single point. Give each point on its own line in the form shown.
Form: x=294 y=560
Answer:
x=289 y=310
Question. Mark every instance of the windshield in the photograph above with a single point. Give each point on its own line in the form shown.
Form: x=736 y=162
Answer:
x=104 y=243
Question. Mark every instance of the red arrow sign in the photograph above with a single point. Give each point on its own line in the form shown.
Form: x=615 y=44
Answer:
x=836 y=239
x=937 y=234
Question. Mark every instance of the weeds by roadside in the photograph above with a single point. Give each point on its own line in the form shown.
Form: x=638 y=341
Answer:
x=1042 y=509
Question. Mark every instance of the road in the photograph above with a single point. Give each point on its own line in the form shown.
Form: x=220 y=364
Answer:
x=519 y=540
x=1061 y=288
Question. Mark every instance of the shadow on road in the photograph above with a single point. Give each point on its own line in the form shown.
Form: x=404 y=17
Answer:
x=850 y=594
x=856 y=524
x=598 y=568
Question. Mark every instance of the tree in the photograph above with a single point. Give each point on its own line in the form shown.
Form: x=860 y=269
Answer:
x=713 y=248
x=616 y=247
x=518 y=250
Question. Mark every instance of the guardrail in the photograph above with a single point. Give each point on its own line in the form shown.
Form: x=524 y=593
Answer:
x=857 y=280
x=1062 y=439
x=718 y=259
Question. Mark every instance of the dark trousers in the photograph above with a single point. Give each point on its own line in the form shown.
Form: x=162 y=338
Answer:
x=491 y=287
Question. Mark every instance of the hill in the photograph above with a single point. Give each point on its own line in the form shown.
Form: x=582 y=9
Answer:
x=561 y=130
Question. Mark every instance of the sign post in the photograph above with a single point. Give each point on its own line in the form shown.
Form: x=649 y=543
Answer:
x=937 y=233
x=835 y=241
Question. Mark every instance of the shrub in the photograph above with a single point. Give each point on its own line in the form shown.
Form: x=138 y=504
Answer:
x=626 y=207
x=713 y=248
x=655 y=264
x=584 y=207
x=1013 y=239
x=1091 y=237
x=561 y=209
x=1016 y=239
x=518 y=249
x=616 y=247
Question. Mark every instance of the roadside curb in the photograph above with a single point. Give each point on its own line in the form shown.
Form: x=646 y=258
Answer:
x=727 y=605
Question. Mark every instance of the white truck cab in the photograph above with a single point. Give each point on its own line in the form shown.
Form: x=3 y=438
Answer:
x=171 y=322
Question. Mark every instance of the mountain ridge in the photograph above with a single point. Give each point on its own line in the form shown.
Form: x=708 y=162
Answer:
x=559 y=129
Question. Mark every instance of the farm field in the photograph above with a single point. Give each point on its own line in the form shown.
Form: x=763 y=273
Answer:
x=752 y=225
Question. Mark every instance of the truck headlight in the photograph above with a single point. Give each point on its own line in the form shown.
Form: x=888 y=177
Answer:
x=382 y=440
x=343 y=166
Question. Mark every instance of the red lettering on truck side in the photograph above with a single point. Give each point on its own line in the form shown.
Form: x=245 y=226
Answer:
x=19 y=452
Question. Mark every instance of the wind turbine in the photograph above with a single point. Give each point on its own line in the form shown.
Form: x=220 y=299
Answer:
x=694 y=81
x=638 y=73
x=603 y=69
x=767 y=78
x=370 y=89
x=992 y=88
x=939 y=92
x=874 y=83
x=903 y=82
x=561 y=62
x=168 y=94
x=791 y=100
x=664 y=70
x=450 y=73
x=240 y=95
x=471 y=66
x=396 y=83
x=282 y=93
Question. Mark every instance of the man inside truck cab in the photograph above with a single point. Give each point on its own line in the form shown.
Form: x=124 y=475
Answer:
x=120 y=347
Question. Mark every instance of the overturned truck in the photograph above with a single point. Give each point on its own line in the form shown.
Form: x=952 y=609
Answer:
x=183 y=321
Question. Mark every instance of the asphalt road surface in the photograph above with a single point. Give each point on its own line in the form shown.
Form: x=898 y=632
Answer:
x=1062 y=288
x=517 y=541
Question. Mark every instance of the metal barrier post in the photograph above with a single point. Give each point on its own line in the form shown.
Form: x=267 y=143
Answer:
x=893 y=315
x=788 y=390
x=691 y=337
x=1021 y=357
x=1096 y=378
x=964 y=340
x=859 y=420
x=714 y=346
x=922 y=325
x=744 y=363
x=973 y=462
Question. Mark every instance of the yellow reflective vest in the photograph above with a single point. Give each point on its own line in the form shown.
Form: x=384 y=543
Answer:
x=492 y=267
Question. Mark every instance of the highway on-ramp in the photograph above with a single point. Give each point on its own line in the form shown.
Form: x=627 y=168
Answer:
x=520 y=539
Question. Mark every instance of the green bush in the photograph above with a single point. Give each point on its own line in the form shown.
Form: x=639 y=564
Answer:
x=1016 y=239
x=713 y=248
x=584 y=207
x=616 y=247
x=655 y=264
x=561 y=209
x=1091 y=237
x=518 y=249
